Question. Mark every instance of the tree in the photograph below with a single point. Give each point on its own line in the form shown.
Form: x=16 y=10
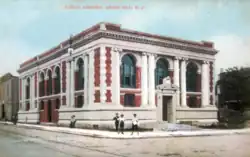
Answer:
x=235 y=82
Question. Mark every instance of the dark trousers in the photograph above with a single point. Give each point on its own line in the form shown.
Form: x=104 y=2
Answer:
x=116 y=126
x=134 y=128
x=121 y=127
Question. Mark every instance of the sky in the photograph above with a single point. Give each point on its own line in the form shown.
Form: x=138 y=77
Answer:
x=28 y=27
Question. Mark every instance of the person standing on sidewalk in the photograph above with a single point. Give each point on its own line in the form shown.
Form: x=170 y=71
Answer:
x=72 y=122
x=116 y=119
x=135 y=123
x=121 y=123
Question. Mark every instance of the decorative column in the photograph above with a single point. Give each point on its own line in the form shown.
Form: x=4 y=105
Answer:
x=23 y=93
x=151 y=80
x=115 y=84
x=144 y=79
x=68 y=78
x=177 y=79
x=72 y=83
x=86 y=80
x=91 y=78
x=45 y=85
x=205 y=84
x=183 y=83
x=103 y=85
x=53 y=82
x=32 y=91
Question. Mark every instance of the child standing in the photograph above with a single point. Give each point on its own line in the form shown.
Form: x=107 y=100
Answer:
x=122 y=123
x=116 y=119
x=135 y=123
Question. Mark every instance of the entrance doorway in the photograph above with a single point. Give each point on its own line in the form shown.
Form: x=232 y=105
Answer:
x=3 y=112
x=49 y=111
x=166 y=104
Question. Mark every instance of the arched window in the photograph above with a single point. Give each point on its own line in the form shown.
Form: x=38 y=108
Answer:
x=191 y=76
x=161 y=71
x=80 y=74
x=128 y=72
x=27 y=88
x=49 y=84
x=79 y=101
x=41 y=85
x=57 y=80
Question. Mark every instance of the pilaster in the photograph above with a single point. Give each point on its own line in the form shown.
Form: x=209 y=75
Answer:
x=205 y=84
x=144 y=79
x=72 y=83
x=151 y=80
x=115 y=85
x=68 y=78
x=177 y=79
x=183 y=83
x=91 y=78
x=86 y=80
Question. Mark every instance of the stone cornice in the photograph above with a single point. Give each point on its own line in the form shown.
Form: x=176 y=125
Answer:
x=118 y=36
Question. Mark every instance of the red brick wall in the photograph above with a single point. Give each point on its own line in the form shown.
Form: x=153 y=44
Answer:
x=64 y=76
x=97 y=74
x=97 y=96
x=137 y=100
x=45 y=111
x=45 y=87
x=138 y=77
x=108 y=66
x=108 y=95
x=97 y=67
x=108 y=73
x=198 y=101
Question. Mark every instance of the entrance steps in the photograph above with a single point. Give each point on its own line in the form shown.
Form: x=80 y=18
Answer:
x=165 y=126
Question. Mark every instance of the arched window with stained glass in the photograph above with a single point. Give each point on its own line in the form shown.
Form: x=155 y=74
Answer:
x=161 y=71
x=128 y=72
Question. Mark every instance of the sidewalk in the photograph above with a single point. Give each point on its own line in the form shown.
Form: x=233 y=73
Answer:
x=127 y=135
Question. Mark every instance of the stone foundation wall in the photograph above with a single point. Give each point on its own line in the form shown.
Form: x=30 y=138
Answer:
x=196 y=114
x=28 y=117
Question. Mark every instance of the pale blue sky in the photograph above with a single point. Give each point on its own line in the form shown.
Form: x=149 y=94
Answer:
x=28 y=27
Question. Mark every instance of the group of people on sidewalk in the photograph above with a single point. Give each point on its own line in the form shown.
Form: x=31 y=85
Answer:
x=120 y=123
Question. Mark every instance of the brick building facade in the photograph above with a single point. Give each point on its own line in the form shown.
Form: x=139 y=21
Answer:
x=108 y=69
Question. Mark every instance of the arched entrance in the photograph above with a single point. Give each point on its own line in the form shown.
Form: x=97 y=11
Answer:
x=49 y=111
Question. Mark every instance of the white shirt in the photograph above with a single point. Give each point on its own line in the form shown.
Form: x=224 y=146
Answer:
x=121 y=119
x=135 y=121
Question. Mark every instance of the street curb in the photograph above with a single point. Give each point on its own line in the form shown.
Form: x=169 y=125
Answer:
x=142 y=135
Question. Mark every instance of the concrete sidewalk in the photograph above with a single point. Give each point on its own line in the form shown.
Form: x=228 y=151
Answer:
x=127 y=135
